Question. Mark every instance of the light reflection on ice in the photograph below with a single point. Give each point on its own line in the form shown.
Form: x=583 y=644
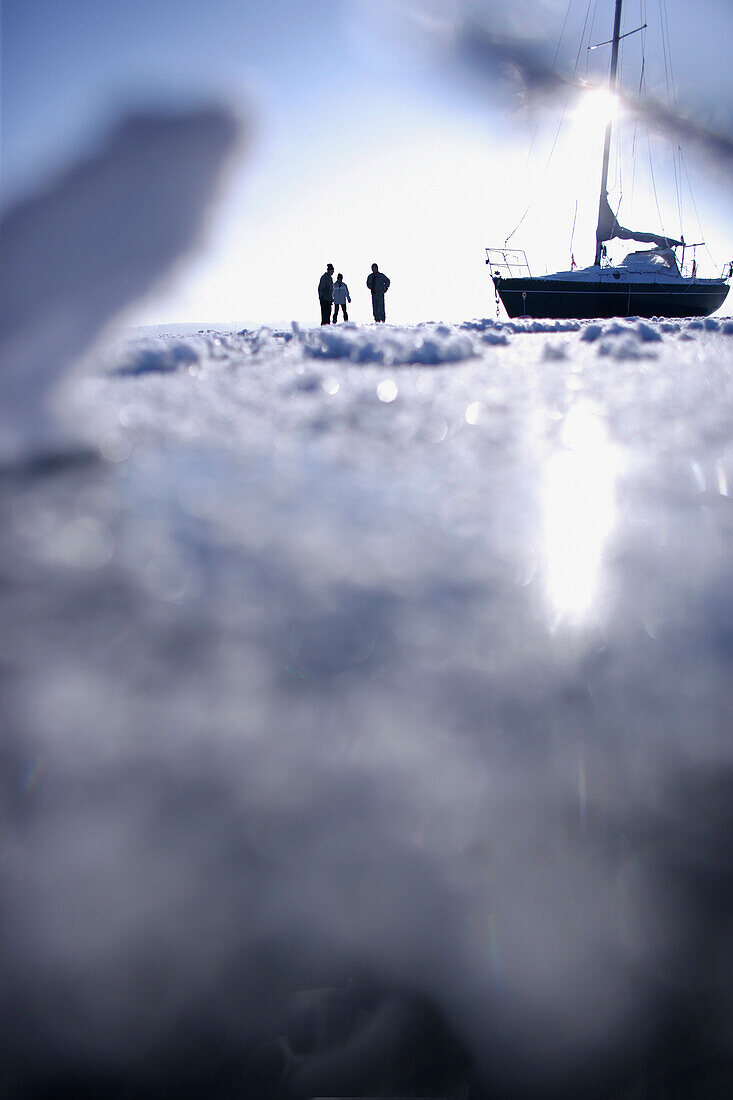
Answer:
x=387 y=390
x=698 y=475
x=579 y=512
x=722 y=479
x=473 y=412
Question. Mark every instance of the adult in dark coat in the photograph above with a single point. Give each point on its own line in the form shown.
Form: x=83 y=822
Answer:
x=378 y=283
x=325 y=295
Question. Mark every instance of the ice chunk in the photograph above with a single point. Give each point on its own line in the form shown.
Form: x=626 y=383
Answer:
x=427 y=345
x=91 y=242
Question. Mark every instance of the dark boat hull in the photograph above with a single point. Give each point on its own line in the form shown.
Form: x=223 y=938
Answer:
x=537 y=297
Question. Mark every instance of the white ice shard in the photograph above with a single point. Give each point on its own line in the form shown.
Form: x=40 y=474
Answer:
x=95 y=239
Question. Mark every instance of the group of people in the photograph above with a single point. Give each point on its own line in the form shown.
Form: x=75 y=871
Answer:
x=336 y=294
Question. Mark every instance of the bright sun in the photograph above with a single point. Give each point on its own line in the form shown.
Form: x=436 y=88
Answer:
x=597 y=106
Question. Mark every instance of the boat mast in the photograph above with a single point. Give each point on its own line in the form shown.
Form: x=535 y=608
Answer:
x=607 y=143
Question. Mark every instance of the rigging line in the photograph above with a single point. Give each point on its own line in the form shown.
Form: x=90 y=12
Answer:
x=590 y=35
x=642 y=13
x=694 y=204
x=677 y=188
x=671 y=97
x=554 y=62
x=665 y=51
x=664 y=55
x=676 y=156
x=562 y=118
x=544 y=172
x=633 y=166
x=572 y=234
x=531 y=144
x=673 y=103
x=516 y=227
x=562 y=32
x=642 y=78
x=582 y=40
x=682 y=192
x=642 y=74
x=654 y=184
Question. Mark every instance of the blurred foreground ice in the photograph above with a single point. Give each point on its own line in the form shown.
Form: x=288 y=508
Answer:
x=87 y=244
x=369 y=718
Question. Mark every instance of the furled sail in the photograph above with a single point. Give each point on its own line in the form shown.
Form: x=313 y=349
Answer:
x=608 y=228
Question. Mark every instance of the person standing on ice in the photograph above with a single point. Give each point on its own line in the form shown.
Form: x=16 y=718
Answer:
x=378 y=283
x=325 y=294
x=340 y=297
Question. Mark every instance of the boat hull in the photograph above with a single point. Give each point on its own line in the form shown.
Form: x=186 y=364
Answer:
x=537 y=297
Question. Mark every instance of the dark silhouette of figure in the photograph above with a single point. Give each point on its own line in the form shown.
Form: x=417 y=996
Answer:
x=340 y=297
x=378 y=283
x=325 y=294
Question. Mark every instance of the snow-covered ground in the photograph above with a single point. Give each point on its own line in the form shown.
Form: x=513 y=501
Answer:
x=369 y=695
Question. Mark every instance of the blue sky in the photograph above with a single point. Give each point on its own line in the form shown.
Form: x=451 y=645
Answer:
x=67 y=65
x=363 y=146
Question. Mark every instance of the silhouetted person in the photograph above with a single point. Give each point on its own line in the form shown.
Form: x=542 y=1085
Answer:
x=340 y=297
x=325 y=294
x=378 y=283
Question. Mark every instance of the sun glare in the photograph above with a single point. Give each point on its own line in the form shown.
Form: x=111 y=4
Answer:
x=597 y=106
x=579 y=506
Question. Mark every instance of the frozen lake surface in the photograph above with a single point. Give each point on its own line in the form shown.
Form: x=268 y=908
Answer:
x=369 y=695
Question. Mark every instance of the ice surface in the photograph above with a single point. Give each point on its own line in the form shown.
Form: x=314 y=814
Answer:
x=369 y=716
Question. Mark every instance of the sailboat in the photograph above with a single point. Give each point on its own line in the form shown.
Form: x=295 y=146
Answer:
x=646 y=283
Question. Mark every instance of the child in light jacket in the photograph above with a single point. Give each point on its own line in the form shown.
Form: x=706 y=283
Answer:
x=340 y=297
